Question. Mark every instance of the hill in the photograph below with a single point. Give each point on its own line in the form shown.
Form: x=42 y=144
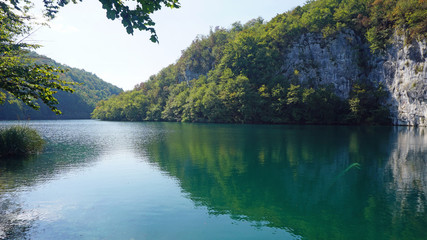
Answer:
x=327 y=62
x=78 y=105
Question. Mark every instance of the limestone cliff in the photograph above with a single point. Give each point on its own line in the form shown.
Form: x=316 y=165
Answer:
x=344 y=58
x=317 y=60
x=403 y=69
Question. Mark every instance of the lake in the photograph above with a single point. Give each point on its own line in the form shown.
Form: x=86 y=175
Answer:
x=126 y=180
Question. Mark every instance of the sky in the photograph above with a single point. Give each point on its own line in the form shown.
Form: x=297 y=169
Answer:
x=82 y=37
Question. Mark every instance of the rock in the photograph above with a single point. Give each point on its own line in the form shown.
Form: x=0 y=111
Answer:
x=403 y=69
x=343 y=59
x=317 y=60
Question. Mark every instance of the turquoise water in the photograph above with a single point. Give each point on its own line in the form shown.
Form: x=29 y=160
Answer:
x=114 y=180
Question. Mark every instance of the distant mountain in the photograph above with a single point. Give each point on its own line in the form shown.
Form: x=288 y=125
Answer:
x=77 y=105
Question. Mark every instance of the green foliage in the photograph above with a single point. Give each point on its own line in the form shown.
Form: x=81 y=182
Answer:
x=385 y=16
x=248 y=54
x=367 y=106
x=19 y=141
x=19 y=75
x=226 y=98
x=234 y=75
x=377 y=20
x=88 y=90
x=135 y=15
x=204 y=53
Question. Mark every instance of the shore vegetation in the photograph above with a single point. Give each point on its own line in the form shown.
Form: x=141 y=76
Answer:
x=19 y=141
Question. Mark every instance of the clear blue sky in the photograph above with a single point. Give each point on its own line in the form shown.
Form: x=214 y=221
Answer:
x=82 y=37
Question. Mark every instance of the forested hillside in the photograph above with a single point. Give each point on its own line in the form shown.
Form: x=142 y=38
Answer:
x=239 y=75
x=88 y=91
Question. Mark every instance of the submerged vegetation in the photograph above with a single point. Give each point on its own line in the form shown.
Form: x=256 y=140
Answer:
x=19 y=141
x=234 y=75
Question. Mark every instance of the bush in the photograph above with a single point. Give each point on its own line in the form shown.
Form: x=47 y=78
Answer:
x=19 y=141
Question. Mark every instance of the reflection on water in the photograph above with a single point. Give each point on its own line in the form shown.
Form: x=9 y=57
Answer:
x=319 y=182
x=110 y=180
x=407 y=167
x=66 y=150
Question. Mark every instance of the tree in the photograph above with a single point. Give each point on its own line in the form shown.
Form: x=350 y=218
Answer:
x=19 y=75
x=135 y=15
x=21 y=78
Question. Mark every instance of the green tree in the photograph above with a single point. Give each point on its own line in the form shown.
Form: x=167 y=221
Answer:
x=251 y=56
x=294 y=101
x=19 y=75
x=367 y=105
x=239 y=99
x=175 y=105
x=213 y=105
x=23 y=79
x=79 y=104
x=135 y=15
x=236 y=75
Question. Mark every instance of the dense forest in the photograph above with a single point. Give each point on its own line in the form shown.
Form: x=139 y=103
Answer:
x=234 y=75
x=89 y=89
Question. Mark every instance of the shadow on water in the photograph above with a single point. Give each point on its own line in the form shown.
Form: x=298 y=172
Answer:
x=319 y=182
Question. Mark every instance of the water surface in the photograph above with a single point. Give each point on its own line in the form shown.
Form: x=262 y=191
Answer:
x=113 y=180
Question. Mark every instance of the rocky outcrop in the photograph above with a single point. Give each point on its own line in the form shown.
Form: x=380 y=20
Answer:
x=403 y=70
x=317 y=60
x=344 y=58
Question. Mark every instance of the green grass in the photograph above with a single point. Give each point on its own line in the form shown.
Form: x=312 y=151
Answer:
x=19 y=141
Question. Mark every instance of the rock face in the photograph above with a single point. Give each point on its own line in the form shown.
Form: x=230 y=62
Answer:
x=317 y=60
x=344 y=59
x=403 y=69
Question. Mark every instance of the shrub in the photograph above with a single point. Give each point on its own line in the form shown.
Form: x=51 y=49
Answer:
x=19 y=141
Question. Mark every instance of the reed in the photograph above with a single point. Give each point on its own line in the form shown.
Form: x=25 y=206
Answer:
x=19 y=141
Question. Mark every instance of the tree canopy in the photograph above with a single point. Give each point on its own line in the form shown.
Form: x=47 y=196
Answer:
x=235 y=75
x=134 y=14
x=77 y=105
x=28 y=81
x=19 y=75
